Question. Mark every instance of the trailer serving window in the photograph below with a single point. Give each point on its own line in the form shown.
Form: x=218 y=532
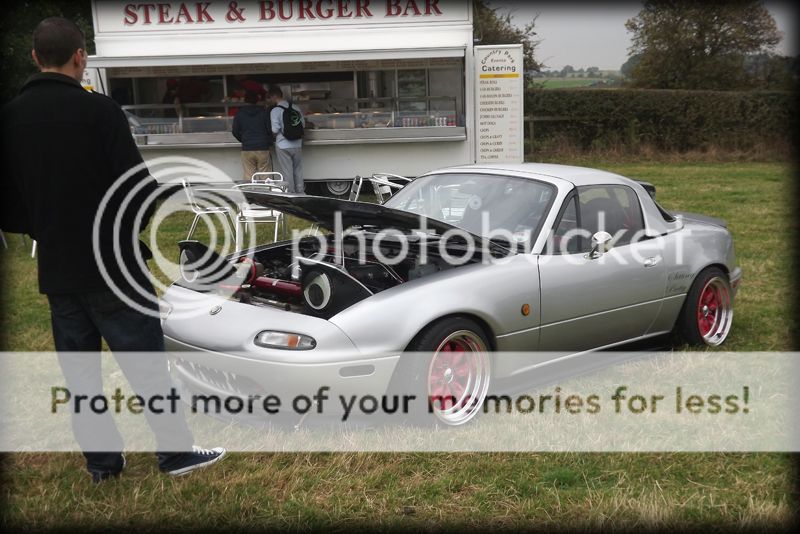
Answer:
x=342 y=101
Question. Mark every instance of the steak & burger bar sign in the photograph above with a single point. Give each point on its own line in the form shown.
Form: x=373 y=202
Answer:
x=121 y=16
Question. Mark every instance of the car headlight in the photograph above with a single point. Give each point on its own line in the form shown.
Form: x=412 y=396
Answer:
x=284 y=340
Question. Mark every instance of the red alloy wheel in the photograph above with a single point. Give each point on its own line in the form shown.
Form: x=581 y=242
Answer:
x=707 y=310
x=714 y=311
x=450 y=372
x=458 y=377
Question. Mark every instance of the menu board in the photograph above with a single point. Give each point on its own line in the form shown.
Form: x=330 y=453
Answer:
x=499 y=100
x=89 y=80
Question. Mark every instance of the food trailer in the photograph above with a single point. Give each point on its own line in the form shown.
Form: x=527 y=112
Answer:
x=385 y=85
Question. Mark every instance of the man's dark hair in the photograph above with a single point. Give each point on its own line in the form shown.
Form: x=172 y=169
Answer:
x=274 y=90
x=251 y=97
x=55 y=39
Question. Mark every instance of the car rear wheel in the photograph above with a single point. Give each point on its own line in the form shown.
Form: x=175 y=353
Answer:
x=450 y=372
x=707 y=314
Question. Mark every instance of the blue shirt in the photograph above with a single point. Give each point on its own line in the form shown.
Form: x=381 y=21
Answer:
x=276 y=117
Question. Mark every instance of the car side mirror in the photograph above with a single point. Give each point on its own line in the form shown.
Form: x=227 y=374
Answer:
x=601 y=243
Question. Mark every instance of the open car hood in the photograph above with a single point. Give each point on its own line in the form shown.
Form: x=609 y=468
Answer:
x=322 y=210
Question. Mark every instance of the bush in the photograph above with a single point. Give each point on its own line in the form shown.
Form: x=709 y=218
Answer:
x=667 y=120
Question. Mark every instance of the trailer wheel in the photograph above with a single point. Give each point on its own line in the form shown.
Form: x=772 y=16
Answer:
x=337 y=189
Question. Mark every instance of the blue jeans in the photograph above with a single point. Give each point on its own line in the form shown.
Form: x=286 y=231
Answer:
x=79 y=322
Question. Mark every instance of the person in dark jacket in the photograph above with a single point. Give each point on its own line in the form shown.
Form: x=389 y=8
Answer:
x=65 y=150
x=251 y=127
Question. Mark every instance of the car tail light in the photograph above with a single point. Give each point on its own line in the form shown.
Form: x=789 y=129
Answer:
x=284 y=340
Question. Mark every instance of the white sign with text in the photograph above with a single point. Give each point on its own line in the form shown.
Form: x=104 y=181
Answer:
x=112 y=16
x=499 y=101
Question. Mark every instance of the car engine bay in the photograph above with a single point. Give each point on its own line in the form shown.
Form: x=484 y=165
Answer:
x=316 y=282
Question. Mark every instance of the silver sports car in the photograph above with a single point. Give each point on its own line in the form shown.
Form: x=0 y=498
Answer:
x=460 y=264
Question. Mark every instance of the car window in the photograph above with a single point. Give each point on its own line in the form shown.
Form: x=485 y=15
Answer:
x=565 y=238
x=480 y=204
x=611 y=208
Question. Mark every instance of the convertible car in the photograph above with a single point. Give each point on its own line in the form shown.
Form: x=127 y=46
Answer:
x=461 y=264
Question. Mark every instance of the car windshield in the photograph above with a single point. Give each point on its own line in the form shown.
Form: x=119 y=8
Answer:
x=497 y=207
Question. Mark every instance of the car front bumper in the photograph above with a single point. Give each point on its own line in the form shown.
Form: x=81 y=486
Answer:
x=242 y=375
x=213 y=350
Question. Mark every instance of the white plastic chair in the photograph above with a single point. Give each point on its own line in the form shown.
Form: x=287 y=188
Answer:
x=384 y=187
x=355 y=188
x=249 y=214
x=269 y=178
x=200 y=211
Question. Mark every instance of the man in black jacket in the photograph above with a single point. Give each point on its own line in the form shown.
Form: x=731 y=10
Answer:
x=251 y=127
x=64 y=149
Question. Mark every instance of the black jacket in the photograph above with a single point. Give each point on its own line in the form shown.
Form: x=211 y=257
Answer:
x=63 y=149
x=251 y=127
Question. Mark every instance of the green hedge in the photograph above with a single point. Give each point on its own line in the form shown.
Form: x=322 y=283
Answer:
x=663 y=119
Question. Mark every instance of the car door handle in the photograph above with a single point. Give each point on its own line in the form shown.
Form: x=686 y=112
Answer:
x=652 y=261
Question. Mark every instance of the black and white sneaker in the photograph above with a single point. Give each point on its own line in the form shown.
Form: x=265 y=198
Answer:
x=187 y=462
x=102 y=476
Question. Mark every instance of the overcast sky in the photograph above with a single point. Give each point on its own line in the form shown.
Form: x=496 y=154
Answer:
x=594 y=34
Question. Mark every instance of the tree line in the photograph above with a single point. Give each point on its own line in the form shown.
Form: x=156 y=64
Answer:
x=693 y=44
x=676 y=44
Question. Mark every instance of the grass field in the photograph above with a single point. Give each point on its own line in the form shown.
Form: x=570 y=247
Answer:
x=345 y=491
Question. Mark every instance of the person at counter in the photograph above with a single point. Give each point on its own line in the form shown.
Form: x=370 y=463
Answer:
x=288 y=139
x=242 y=84
x=252 y=128
x=171 y=98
